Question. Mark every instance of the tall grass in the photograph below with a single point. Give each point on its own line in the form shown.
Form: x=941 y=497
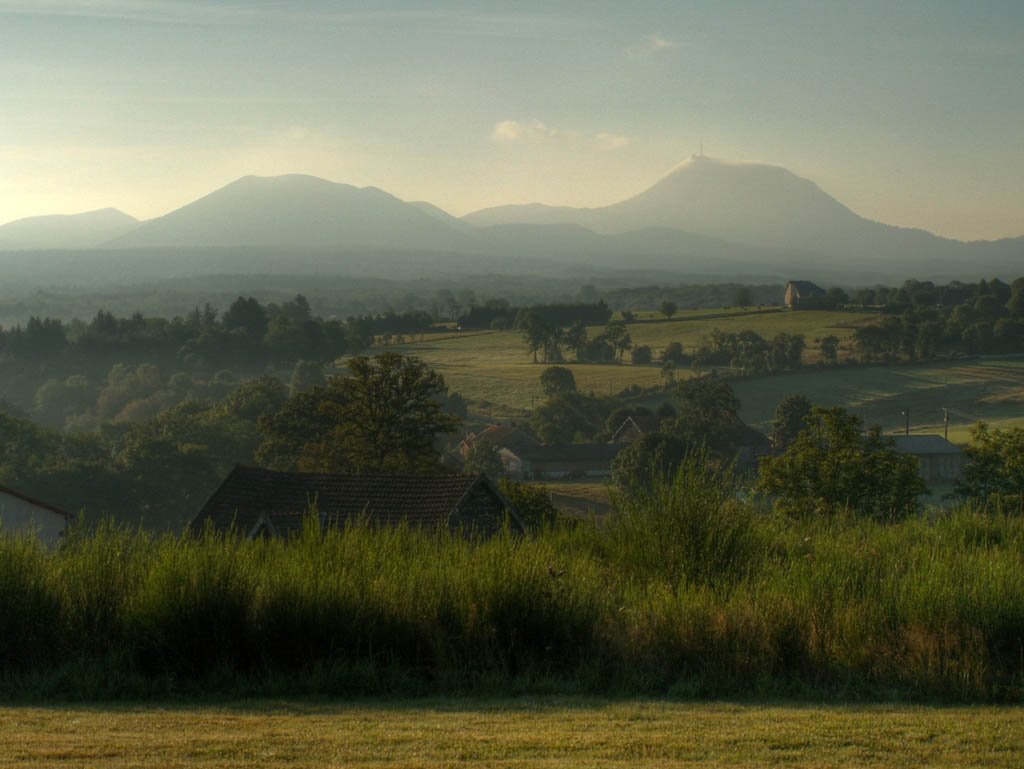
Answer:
x=711 y=599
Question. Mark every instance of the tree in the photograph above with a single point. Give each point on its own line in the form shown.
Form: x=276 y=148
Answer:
x=533 y=503
x=387 y=420
x=597 y=351
x=995 y=472
x=673 y=353
x=836 y=297
x=617 y=335
x=536 y=332
x=833 y=466
x=291 y=435
x=706 y=407
x=484 y=458
x=251 y=400
x=306 y=375
x=668 y=308
x=641 y=355
x=557 y=380
x=564 y=417
x=789 y=419
x=248 y=316
x=1015 y=306
x=576 y=338
x=655 y=456
x=743 y=297
x=830 y=349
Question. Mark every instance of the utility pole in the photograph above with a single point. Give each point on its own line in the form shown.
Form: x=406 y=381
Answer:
x=945 y=423
x=906 y=413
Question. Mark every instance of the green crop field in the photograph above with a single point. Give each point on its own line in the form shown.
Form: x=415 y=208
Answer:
x=556 y=733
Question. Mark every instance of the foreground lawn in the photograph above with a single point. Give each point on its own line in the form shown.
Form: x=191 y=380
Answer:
x=522 y=733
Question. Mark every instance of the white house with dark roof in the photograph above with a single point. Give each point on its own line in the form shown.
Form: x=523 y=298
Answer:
x=21 y=514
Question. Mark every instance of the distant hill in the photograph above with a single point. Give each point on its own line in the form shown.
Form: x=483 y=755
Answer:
x=73 y=231
x=705 y=218
x=758 y=205
x=296 y=211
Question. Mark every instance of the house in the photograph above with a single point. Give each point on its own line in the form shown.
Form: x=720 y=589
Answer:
x=20 y=514
x=500 y=435
x=575 y=460
x=938 y=460
x=636 y=427
x=803 y=293
x=258 y=502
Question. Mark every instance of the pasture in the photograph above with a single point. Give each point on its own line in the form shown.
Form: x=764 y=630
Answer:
x=989 y=390
x=493 y=368
x=494 y=371
x=560 y=733
x=690 y=328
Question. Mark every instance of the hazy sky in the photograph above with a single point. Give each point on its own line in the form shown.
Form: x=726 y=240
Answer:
x=909 y=112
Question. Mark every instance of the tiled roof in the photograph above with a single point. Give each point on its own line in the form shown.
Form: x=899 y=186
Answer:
x=251 y=493
x=924 y=444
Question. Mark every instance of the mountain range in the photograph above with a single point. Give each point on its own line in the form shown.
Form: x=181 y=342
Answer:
x=705 y=215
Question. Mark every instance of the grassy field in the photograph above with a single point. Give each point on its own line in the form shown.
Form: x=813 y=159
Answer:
x=991 y=390
x=555 y=733
x=690 y=328
x=493 y=369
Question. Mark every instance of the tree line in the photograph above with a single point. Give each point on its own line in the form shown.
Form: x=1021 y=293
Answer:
x=922 y=321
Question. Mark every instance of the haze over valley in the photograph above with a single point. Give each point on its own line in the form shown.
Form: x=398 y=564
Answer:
x=706 y=218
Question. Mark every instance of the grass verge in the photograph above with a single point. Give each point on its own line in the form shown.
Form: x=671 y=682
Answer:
x=544 y=732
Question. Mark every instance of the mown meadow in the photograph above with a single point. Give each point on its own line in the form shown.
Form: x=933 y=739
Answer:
x=494 y=371
x=686 y=592
x=555 y=732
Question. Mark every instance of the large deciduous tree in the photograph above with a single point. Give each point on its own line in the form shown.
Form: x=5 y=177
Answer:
x=995 y=473
x=383 y=417
x=834 y=466
x=557 y=380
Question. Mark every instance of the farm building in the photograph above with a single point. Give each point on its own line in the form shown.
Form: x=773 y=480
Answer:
x=500 y=435
x=938 y=460
x=636 y=427
x=803 y=293
x=21 y=514
x=257 y=502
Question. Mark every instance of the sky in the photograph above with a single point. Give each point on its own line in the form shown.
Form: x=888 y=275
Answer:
x=908 y=112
